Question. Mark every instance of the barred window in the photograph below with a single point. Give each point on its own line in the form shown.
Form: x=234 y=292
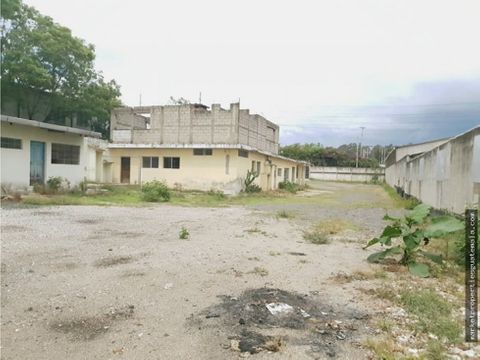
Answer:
x=65 y=154
x=150 y=162
x=279 y=171
x=171 y=162
x=11 y=143
x=243 y=153
x=202 y=152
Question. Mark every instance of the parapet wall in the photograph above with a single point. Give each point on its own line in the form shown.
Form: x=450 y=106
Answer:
x=446 y=177
x=193 y=124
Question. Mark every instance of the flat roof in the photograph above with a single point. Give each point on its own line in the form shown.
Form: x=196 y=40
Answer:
x=200 y=146
x=48 y=126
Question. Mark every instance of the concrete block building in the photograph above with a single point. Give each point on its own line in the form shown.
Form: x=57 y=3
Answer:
x=197 y=147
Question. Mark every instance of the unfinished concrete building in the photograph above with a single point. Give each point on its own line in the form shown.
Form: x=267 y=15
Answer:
x=195 y=147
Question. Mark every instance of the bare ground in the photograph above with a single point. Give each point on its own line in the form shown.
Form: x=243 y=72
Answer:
x=92 y=282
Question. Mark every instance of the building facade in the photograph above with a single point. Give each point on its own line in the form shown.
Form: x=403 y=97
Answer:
x=193 y=147
x=33 y=151
x=444 y=174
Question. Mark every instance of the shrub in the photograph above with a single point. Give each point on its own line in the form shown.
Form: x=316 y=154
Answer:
x=154 y=191
x=288 y=186
x=54 y=183
x=316 y=237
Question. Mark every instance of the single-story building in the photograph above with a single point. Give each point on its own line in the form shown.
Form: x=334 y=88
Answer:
x=33 y=151
x=216 y=167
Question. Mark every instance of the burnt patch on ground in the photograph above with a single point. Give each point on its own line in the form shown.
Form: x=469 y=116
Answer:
x=307 y=319
x=89 y=327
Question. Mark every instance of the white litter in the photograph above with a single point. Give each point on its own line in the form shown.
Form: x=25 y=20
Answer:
x=168 y=286
x=304 y=313
x=279 y=308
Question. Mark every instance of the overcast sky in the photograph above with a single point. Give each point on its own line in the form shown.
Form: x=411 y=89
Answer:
x=408 y=71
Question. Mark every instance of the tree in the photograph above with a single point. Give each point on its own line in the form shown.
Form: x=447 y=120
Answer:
x=40 y=57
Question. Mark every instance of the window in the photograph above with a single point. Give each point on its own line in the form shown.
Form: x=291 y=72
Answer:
x=171 y=162
x=243 y=153
x=150 y=162
x=202 y=151
x=10 y=143
x=258 y=167
x=307 y=172
x=285 y=174
x=296 y=173
x=65 y=154
x=279 y=172
x=293 y=173
x=253 y=166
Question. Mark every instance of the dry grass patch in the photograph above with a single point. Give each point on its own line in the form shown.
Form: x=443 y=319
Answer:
x=261 y=271
x=114 y=260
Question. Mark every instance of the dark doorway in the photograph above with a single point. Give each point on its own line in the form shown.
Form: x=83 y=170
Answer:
x=125 y=170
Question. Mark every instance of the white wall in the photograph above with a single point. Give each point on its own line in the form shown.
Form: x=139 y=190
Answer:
x=15 y=163
x=333 y=173
x=446 y=177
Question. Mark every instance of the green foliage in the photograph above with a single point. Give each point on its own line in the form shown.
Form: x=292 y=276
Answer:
x=284 y=214
x=318 y=155
x=154 y=191
x=250 y=187
x=183 y=234
x=316 y=237
x=47 y=70
x=433 y=313
x=415 y=235
x=288 y=186
x=54 y=183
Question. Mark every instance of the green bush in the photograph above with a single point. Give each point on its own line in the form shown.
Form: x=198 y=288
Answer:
x=288 y=186
x=154 y=191
x=183 y=234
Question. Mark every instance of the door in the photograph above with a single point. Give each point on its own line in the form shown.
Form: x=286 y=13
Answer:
x=125 y=170
x=37 y=162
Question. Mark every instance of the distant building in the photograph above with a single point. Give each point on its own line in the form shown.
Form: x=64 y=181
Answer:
x=33 y=151
x=193 y=147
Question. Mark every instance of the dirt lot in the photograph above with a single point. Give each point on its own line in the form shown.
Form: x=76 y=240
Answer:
x=86 y=282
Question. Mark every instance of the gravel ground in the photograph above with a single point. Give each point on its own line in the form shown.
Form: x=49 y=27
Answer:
x=92 y=282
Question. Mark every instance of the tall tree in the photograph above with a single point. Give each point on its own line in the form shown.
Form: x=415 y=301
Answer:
x=45 y=66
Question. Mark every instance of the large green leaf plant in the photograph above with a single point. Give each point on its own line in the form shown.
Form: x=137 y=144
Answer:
x=416 y=234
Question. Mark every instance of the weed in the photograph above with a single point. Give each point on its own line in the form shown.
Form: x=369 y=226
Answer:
x=154 y=191
x=399 y=201
x=274 y=253
x=385 y=324
x=284 y=214
x=256 y=230
x=433 y=313
x=259 y=271
x=435 y=351
x=183 y=234
x=383 y=348
x=315 y=237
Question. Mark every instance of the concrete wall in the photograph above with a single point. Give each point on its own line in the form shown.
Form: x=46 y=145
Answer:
x=203 y=172
x=446 y=177
x=15 y=163
x=332 y=173
x=193 y=124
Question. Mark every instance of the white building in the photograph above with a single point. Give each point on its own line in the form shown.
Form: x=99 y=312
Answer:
x=33 y=151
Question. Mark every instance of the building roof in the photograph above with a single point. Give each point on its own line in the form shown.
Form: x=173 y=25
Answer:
x=48 y=126
x=200 y=146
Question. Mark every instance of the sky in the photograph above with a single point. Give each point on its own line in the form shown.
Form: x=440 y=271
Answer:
x=407 y=71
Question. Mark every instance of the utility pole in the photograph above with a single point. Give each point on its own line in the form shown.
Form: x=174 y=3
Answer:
x=359 y=146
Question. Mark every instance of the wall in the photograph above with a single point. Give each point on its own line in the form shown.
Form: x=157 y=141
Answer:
x=200 y=172
x=400 y=152
x=446 y=177
x=193 y=124
x=15 y=163
x=332 y=173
